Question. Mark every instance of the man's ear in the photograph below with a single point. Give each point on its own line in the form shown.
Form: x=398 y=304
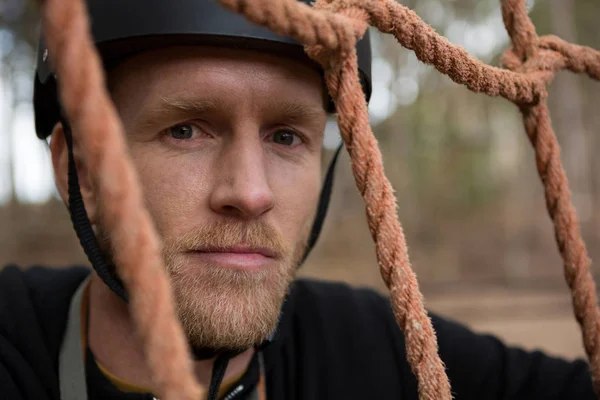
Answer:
x=60 y=163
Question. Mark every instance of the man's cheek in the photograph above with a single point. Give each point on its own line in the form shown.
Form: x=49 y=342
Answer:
x=161 y=205
x=176 y=206
x=300 y=209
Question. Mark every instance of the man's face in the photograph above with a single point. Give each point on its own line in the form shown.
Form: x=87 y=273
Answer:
x=227 y=145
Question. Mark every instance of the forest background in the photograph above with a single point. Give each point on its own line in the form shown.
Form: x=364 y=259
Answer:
x=469 y=197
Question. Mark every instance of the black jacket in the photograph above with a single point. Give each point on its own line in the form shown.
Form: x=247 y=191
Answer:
x=335 y=342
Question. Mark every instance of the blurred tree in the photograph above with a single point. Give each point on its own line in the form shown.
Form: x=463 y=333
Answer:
x=18 y=37
x=568 y=112
x=20 y=17
x=468 y=193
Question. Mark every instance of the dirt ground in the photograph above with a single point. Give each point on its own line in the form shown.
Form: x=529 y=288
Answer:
x=534 y=318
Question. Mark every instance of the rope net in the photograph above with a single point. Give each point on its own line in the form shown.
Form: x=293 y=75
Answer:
x=329 y=31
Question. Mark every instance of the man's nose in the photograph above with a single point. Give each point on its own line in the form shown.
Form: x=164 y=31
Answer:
x=242 y=186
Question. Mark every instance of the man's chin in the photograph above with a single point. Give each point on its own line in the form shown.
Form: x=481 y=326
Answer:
x=229 y=309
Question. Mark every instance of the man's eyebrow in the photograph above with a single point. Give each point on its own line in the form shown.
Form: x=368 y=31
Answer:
x=169 y=108
x=298 y=112
x=188 y=105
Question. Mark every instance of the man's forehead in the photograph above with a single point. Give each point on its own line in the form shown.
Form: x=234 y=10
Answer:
x=196 y=78
x=216 y=59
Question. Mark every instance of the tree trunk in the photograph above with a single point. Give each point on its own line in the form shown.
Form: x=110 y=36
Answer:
x=7 y=129
x=567 y=99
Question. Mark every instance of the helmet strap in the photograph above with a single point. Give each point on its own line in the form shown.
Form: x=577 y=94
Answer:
x=83 y=226
x=323 y=204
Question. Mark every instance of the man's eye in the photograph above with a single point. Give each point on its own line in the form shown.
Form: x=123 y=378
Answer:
x=286 y=138
x=183 y=131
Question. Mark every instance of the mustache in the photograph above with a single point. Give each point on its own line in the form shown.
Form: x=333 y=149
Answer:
x=223 y=234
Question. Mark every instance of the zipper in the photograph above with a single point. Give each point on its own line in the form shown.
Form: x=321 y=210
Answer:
x=230 y=396
x=234 y=392
x=238 y=389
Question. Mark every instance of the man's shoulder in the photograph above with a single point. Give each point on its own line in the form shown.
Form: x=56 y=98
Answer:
x=34 y=304
x=332 y=333
x=36 y=292
x=338 y=314
x=332 y=308
x=39 y=285
x=42 y=275
x=340 y=298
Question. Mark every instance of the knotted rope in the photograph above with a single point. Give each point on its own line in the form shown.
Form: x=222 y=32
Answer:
x=529 y=57
x=329 y=31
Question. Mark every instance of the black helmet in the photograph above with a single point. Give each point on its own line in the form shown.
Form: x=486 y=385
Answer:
x=123 y=28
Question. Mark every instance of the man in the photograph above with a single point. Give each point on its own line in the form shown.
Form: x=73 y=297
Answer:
x=225 y=124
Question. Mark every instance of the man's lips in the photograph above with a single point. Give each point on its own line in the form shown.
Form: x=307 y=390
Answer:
x=241 y=257
x=238 y=249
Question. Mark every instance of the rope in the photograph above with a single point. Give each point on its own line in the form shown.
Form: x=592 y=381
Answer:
x=329 y=31
x=86 y=102
x=538 y=127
